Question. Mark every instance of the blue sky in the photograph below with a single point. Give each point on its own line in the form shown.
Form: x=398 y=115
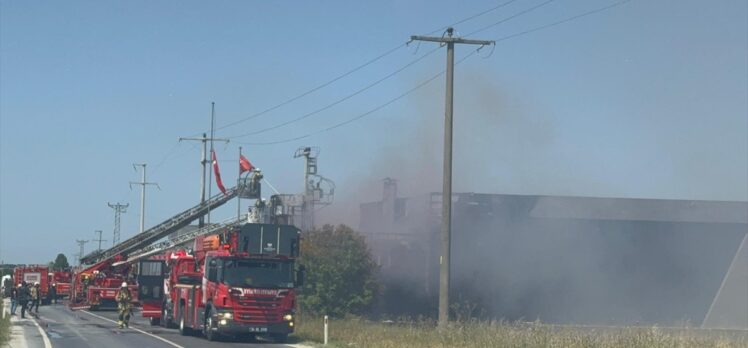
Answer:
x=648 y=99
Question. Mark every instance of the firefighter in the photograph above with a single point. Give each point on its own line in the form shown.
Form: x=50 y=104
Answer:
x=35 y=297
x=124 y=305
x=23 y=298
x=86 y=279
x=14 y=299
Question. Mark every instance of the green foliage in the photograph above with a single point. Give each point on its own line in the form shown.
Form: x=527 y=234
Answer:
x=341 y=274
x=61 y=262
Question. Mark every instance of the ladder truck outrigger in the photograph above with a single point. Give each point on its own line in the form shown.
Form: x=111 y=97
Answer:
x=95 y=286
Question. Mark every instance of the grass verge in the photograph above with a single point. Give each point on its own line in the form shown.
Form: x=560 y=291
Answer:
x=363 y=333
x=4 y=326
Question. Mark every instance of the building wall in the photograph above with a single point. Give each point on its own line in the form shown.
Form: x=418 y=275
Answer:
x=515 y=265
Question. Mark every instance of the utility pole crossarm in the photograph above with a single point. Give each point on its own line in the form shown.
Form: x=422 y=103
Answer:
x=205 y=139
x=449 y=39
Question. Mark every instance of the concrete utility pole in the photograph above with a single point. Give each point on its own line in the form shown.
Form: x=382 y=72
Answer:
x=143 y=184
x=444 y=262
x=99 y=240
x=118 y=210
x=204 y=162
x=81 y=243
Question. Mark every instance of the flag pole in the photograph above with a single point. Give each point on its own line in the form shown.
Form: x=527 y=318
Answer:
x=238 y=182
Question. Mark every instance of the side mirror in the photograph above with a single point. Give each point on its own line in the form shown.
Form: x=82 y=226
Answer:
x=300 y=275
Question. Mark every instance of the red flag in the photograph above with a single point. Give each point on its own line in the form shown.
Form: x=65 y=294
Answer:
x=217 y=172
x=244 y=165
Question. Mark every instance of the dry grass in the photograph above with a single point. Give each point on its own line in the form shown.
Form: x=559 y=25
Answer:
x=4 y=326
x=362 y=333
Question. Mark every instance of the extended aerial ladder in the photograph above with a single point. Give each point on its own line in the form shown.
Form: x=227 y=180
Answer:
x=95 y=286
x=161 y=230
x=177 y=241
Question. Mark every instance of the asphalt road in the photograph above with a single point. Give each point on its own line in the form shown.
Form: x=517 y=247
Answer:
x=66 y=328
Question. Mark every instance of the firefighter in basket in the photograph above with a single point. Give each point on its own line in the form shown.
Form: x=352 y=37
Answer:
x=124 y=305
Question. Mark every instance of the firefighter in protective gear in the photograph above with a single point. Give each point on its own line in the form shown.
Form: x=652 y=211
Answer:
x=124 y=305
x=36 y=297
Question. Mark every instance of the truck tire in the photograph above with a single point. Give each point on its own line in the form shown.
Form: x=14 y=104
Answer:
x=210 y=335
x=165 y=321
x=154 y=321
x=183 y=329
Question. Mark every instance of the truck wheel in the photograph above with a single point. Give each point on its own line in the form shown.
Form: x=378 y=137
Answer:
x=154 y=321
x=209 y=333
x=165 y=321
x=280 y=338
x=183 y=329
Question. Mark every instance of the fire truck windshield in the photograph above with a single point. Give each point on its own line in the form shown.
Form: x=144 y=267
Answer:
x=258 y=273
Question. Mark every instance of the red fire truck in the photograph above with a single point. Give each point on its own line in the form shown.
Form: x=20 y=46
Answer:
x=96 y=287
x=240 y=283
x=34 y=274
x=61 y=280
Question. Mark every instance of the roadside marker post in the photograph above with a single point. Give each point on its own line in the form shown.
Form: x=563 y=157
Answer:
x=326 y=330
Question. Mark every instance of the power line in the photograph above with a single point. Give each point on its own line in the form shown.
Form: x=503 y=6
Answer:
x=355 y=69
x=168 y=155
x=391 y=101
x=367 y=113
x=349 y=96
x=565 y=20
x=511 y=17
x=328 y=106
x=323 y=85
x=472 y=17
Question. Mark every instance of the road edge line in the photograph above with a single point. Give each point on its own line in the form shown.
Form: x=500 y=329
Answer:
x=45 y=338
x=136 y=329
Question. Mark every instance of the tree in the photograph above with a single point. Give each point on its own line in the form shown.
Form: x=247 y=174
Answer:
x=61 y=262
x=341 y=273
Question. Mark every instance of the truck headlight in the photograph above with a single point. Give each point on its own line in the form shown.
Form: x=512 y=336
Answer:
x=222 y=322
x=288 y=317
x=228 y=315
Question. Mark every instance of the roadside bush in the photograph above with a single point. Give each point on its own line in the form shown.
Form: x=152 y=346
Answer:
x=341 y=273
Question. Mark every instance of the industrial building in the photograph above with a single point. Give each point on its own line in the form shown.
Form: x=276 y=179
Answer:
x=583 y=260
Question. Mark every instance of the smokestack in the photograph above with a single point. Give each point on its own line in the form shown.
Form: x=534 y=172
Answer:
x=389 y=195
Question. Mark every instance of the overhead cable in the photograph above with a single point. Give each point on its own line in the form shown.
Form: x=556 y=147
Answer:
x=391 y=101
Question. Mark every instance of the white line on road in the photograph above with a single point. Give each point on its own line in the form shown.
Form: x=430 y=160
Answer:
x=136 y=329
x=45 y=338
x=20 y=338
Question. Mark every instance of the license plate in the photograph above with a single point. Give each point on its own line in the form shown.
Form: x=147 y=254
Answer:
x=257 y=329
